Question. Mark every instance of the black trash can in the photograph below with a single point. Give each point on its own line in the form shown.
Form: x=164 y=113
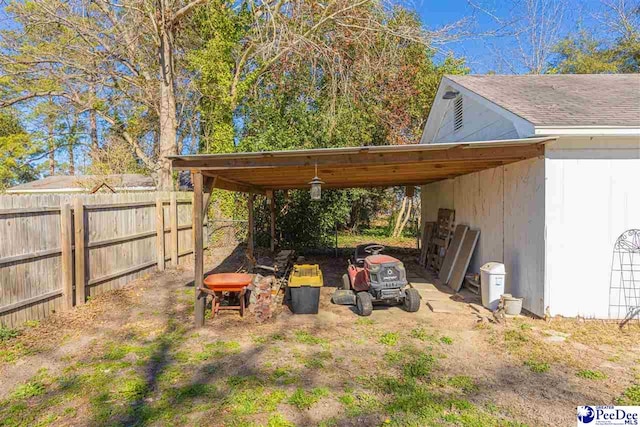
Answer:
x=304 y=289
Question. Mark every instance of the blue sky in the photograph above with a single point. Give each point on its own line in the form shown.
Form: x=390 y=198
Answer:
x=478 y=50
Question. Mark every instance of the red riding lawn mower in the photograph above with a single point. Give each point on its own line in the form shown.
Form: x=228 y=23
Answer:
x=373 y=277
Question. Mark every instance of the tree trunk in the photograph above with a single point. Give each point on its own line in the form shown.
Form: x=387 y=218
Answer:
x=400 y=215
x=168 y=120
x=93 y=131
x=52 y=159
x=71 y=145
x=72 y=163
x=406 y=218
x=52 y=151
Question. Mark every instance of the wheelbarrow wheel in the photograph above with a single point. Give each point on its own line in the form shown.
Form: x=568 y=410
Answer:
x=364 y=303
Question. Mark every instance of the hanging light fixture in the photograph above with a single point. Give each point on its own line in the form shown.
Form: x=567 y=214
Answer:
x=316 y=186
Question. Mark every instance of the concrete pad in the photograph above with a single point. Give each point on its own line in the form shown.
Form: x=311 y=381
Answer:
x=424 y=286
x=435 y=296
x=445 y=307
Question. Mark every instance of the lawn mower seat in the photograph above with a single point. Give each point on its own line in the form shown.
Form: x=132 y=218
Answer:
x=360 y=254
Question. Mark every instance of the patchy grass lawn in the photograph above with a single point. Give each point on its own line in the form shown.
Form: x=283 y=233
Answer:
x=132 y=357
x=378 y=234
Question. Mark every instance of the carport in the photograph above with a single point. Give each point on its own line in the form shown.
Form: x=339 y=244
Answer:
x=375 y=166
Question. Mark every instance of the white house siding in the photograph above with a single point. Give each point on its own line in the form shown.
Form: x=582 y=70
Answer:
x=592 y=197
x=507 y=205
x=479 y=123
x=524 y=245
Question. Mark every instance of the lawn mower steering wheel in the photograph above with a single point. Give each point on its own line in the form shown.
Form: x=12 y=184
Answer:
x=374 y=249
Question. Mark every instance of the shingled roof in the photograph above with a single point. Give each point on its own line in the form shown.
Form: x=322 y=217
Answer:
x=84 y=183
x=562 y=100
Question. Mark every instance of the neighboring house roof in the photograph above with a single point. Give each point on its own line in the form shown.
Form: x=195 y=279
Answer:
x=562 y=100
x=85 y=183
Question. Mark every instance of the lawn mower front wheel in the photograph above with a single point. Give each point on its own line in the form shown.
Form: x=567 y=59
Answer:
x=411 y=300
x=364 y=303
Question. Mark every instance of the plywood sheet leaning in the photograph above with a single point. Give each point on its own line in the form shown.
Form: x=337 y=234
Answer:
x=427 y=234
x=441 y=239
x=464 y=258
x=452 y=253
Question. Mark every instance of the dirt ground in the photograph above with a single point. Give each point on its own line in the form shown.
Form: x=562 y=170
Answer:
x=133 y=357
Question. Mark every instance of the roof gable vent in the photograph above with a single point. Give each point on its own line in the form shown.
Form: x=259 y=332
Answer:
x=457 y=114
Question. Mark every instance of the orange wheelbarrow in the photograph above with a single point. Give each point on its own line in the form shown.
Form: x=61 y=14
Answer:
x=216 y=284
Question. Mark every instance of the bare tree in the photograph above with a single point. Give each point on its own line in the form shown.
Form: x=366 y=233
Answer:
x=530 y=29
x=122 y=63
x=112 y=60
x=621 y=17
x=321 y=37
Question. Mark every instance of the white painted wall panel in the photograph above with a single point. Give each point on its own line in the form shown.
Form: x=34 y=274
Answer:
x=489 y=218
x=593 y=196
x=524 y=244
x=479 y=124
x=507 y=205
x=435 y=196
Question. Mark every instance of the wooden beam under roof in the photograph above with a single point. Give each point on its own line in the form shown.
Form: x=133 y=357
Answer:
x=225 y=183
x=357 y=166
x=453 y=154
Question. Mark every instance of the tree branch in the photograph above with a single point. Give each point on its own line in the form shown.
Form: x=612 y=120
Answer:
x=182 y=12
x=28 y=96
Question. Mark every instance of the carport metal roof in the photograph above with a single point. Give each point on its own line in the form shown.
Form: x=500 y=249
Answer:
x=375 y=166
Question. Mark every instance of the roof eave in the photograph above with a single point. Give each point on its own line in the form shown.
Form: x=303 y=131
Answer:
x=587 y=130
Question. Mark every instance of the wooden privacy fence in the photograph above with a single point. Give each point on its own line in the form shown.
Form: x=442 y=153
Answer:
x=57 y=250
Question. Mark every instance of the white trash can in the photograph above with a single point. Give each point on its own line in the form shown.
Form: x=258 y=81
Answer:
x=492 y=276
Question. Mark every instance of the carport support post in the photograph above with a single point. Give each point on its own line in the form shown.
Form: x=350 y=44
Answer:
x=198 y=249
x=250 y=225
x=272 y=213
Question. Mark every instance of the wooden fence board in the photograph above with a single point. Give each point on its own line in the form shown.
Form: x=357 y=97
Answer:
x=120 y=237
